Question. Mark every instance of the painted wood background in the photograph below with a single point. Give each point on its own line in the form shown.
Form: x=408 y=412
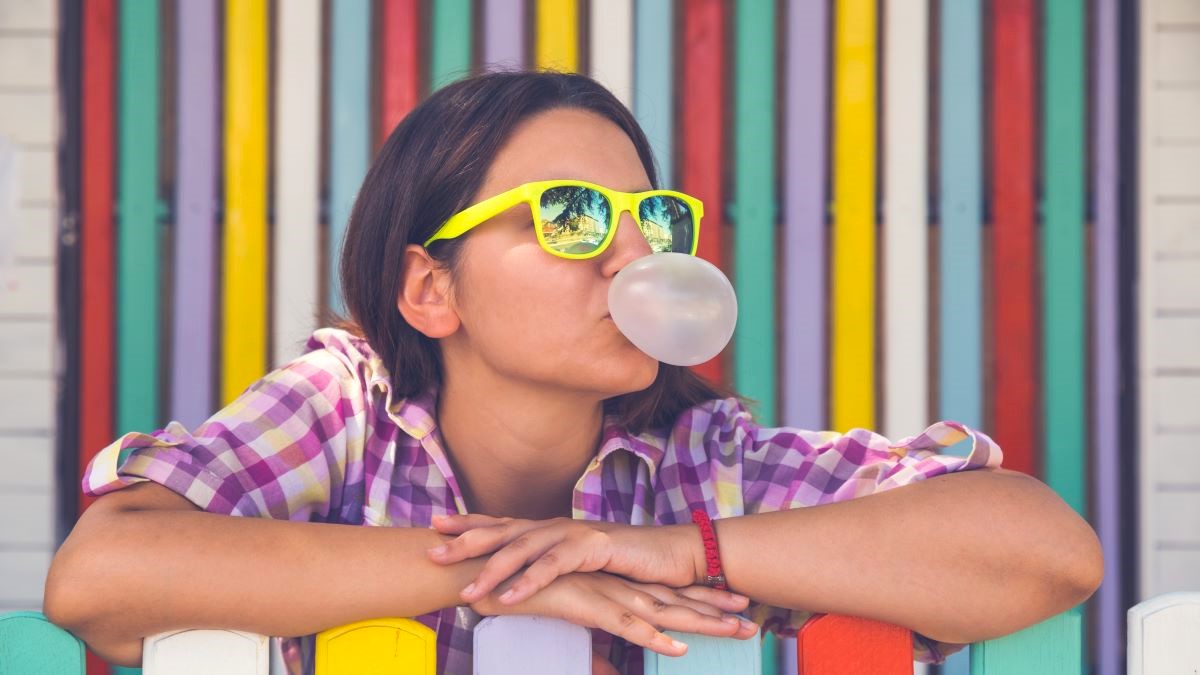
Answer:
x=983 y=210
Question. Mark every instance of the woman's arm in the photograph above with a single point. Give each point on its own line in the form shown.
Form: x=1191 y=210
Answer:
x=144 y=559
x=959 y=558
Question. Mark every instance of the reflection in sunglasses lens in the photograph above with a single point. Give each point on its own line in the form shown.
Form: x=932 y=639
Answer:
x=666 y=223
x=574 y=219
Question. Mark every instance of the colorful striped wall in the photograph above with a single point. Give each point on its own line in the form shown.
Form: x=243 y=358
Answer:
x=924 y=205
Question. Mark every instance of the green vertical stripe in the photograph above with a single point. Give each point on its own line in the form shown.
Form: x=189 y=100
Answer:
x=754 y=210
x=450 y=51
x=1062 y=252
x=138 y=280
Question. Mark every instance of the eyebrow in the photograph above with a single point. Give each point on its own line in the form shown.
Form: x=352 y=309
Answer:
x=566 y=175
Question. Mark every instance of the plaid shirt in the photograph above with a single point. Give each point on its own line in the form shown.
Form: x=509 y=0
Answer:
x=322 y=439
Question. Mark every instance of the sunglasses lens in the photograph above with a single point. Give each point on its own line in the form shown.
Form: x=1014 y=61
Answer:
x=667 y=223
x=574 y=219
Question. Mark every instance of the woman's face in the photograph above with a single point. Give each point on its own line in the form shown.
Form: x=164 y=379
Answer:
x=531 y=315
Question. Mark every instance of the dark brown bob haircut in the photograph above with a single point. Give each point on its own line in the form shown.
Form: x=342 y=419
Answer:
x=430 y=167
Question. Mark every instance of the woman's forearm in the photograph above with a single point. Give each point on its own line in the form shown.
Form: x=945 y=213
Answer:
x=123 y=575
x=959 y=558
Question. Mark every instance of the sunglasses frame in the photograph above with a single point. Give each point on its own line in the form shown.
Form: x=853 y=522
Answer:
x=531 y=194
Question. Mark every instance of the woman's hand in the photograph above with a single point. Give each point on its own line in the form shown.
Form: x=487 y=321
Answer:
x=634 y=611
x=665 y=554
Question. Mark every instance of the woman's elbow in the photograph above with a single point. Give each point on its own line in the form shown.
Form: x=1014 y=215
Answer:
x=69 y=602
x=64 y=599
x=1087 y=572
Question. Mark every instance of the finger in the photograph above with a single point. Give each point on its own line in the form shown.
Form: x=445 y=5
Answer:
x=479 y=541
x=560 y=559
x=730 y=602
x=623 y=622
x=508 y=561
x=671 y=615
x=457 y=523
x=671 y=596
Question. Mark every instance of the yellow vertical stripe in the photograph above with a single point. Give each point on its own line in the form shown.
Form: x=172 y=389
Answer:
x=852 y=377
x=244 y=248
x=558 y=35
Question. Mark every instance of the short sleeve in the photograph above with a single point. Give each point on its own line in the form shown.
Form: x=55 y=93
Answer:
x=280 y=450
x=785 y=468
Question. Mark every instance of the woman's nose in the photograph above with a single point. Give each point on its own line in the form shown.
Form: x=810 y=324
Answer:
x=628 y=244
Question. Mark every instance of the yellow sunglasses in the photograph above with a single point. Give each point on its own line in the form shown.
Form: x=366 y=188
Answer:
x=577 y=220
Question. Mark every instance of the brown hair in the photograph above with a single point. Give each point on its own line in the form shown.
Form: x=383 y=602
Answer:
x=431 y=166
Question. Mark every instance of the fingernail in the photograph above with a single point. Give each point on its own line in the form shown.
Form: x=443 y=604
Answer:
x=438 y=550
x=738 y=596
x=748 y=625
x=507 y=595
x=678 y=645
x=729 y=618
x=469 y=589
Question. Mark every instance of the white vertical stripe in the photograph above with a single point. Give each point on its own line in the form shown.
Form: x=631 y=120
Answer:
x=610 y=46
x=905 y=283
x=905 y=265
x=295 y=254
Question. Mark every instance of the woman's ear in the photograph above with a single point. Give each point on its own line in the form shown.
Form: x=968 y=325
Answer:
x=424 y=299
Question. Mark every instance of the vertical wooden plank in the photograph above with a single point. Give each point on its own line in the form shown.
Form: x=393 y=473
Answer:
x=531 y=645
x=610 y=47
x=1162 y=634
x=556 y=39
x=199 y=652
x=754 y=204
x=832 y=644
x=1106 y=318
x=97 y=243
x=349 y=127
x=1063 y=302
x=504 y=34
x=1052 y=647
x=67 y=420
x=295 y=254
x=960 y=386
x=193 y=303
x=905 y=198
x=1014 y=373
x=244 y=274
x=804 y=216
x=852 y=377
x=702 y=132
x=137 y=229
x=29 y=643
x=755 y=214
x=377 y=645
x=905 y=231
x=96 y=234
x=959 y=347
x=707 y=655
x=399 y=63
x=653 y=82
x=450 y=51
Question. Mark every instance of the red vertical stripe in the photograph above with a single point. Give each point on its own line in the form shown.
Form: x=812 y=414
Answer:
x=1015 y=375
x=96 y=233
x=704 y=134
x=97 y=239
x=399 y=64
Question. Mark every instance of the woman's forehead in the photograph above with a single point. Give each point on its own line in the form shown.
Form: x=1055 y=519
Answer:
x=569 y=143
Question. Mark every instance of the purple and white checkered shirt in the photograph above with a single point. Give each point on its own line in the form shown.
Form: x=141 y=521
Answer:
x=322 y=439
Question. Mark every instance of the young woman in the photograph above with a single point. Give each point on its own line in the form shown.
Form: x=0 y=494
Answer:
x=483 y=417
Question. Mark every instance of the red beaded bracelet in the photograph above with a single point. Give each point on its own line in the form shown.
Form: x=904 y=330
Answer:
x=716 y=577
